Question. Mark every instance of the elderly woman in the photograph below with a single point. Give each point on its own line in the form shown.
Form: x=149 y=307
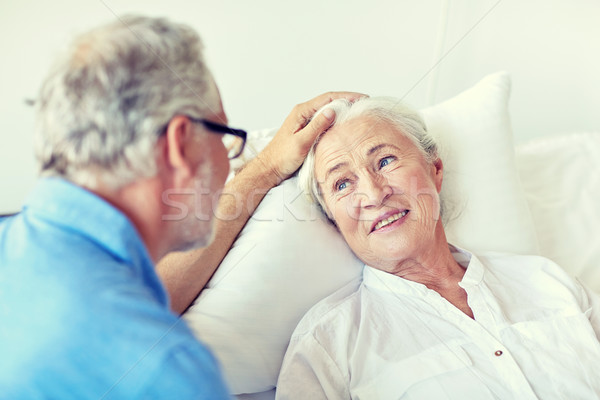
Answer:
x=429 y=320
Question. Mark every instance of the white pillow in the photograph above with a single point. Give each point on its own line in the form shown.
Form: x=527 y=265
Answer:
x=288 y=256
x=286 y=259
x=486 y=206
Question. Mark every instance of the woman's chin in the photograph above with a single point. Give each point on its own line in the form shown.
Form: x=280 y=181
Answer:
x=390 y=252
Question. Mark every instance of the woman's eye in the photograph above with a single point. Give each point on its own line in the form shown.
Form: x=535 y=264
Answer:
x=385 y=161
x=341 y=185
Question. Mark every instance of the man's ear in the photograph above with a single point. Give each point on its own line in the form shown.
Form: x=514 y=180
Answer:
x=178 y=138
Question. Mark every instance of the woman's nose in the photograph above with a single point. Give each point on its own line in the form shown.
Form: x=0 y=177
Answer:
x=372 y=192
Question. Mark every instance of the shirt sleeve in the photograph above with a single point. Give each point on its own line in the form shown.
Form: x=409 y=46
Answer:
x=592 y=308
x=188 y=374
x=309 y=372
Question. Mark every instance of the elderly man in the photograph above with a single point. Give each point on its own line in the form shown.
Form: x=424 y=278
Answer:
x=129 y=141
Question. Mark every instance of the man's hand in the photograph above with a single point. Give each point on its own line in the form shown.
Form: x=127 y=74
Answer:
x=186 y=274
x=288 y=149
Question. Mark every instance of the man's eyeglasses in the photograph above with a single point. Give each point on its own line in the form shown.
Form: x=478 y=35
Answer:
x=233 y=139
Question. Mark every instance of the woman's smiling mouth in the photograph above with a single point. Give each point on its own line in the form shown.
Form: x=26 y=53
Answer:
x=388 y=220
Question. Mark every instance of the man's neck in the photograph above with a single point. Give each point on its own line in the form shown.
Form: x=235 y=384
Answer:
x=138 y=201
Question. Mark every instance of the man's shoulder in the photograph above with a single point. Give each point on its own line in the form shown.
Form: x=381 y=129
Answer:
x=30 y=235
x=51 y=253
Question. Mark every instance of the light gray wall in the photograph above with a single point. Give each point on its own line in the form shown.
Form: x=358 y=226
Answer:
x=550 y=47
x=268 y=55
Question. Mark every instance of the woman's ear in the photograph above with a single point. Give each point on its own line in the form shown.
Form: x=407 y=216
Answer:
x=439 y=173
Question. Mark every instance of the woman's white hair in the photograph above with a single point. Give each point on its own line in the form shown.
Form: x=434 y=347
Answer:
x=108 y=99
x=387 y=109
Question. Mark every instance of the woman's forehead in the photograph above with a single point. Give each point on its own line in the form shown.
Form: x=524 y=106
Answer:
x=359 y=137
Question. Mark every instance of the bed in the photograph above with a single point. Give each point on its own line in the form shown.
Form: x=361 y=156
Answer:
x=535 y=198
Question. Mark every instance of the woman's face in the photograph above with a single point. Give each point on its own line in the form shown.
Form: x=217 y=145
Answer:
x=380 y=190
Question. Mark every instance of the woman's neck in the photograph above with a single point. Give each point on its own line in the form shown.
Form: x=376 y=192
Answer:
x=437 y=269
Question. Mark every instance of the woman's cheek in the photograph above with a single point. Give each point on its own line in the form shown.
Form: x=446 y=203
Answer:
x=351 y=210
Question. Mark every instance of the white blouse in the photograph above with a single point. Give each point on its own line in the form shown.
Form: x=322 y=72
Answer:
x=535 y=336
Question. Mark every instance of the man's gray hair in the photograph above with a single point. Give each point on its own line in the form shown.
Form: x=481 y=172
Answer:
x=385 y=109
x=104 y=104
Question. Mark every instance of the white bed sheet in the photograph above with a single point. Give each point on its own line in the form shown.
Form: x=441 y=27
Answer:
x=561 y=179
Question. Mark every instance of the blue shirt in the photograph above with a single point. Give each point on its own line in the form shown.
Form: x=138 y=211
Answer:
x=83 y=314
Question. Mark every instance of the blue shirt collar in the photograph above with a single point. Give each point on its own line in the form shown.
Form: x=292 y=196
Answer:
x=65 y=204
